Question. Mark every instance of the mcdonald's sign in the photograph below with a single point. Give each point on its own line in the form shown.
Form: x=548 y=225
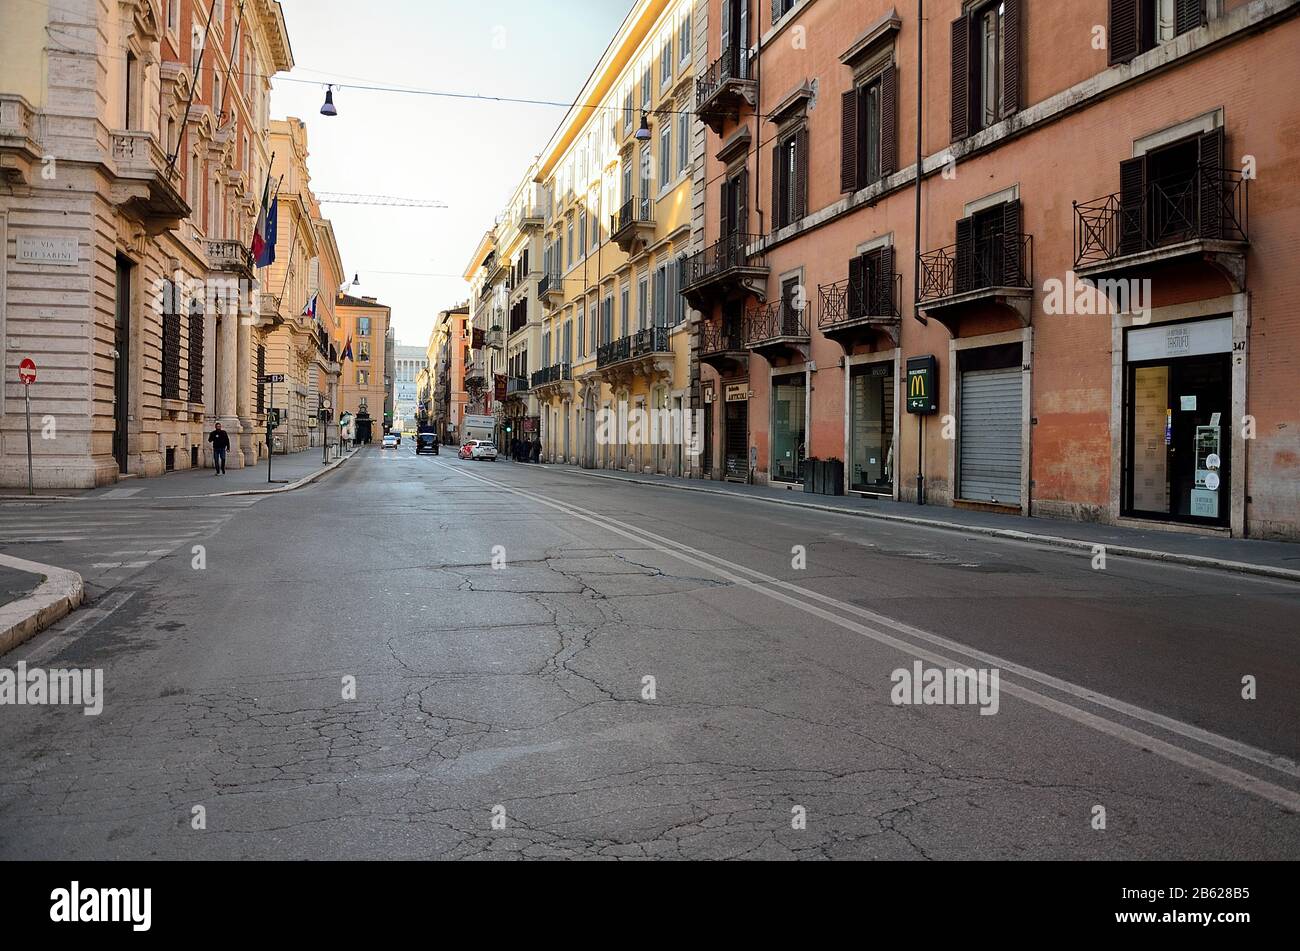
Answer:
x=923 y=385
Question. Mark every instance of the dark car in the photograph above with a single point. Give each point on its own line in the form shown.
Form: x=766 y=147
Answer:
x=426 y=443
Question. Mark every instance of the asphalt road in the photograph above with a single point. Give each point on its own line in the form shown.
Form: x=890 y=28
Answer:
x=504 y=711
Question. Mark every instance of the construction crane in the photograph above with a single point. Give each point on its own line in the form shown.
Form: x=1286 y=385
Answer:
x=387 y=201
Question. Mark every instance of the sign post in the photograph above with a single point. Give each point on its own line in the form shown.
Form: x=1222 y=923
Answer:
x=272 y=419
x=922 y=401
x=27 y=373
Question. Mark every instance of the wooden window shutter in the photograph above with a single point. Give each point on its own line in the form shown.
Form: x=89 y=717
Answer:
x=849 y=142
x=1013 y=33
x=1132 y=204
x=742 y=202
x=1012 y=272
x=1211 y=149
x=963 y=269
x=801 y=176
x=724 y=217
x=961 y=98
x=1188 y=15
x=857 y=292
x=889 y=121
x=884 y=272
x=1123 y=33
x=778 y=220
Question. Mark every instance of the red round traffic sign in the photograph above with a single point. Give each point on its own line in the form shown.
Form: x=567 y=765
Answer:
x=27 y=372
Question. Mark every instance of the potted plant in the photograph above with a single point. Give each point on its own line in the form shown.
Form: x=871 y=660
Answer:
x=833 y=477
x=809 y=467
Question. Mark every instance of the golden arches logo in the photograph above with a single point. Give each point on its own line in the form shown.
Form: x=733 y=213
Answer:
x=917 y=386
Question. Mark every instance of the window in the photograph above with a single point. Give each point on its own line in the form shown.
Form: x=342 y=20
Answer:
x=665 y=154
x=363 y=352
x=1140 y=25
x=196 y=351
x=626 y=295
x=363 y=378
x=661 y=296
x=582 y=329
x=645 y=87
x=869 y=150
x=606 y=321
x=171 y=342
x=582 y=232
x=683 y=141
x=363 y=326
x=627 y=110
x=569 y=259
x=666 y=61
x=173 y=8
x=643 y=302
x=781 y=7
x=985 y=66
x=790 y=179
x=684 y=39
x=647 y=162
x=675 y=288
x=871 y=284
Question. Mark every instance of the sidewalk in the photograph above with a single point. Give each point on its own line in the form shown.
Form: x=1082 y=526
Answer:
x=287 y=471
x=1248 y=556
x=16 y=585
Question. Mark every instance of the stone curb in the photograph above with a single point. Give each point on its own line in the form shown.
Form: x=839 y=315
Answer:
x=306 y=480
x=59 y=594
x=1146 y=554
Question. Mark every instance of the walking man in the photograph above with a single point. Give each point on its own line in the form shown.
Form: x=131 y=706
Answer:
x=220 y=446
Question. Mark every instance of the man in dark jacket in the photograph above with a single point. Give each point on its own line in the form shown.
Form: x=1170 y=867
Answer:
x=537 y=450
x=220 y=446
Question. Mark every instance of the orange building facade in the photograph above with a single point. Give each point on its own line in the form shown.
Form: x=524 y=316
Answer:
x=1087 y=308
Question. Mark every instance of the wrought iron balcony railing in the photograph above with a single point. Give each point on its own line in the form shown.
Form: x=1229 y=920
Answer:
x=720 y=257
x=848 y=301
x=721 y=336
x=556 y=373
x=643 y=343
x=517 y=384
x=1000 y=261
x=735 y=63
x=634 y=212
x=776 y=320
x=1205 y=203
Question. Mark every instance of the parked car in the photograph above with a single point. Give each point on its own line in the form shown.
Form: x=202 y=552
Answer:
x=390 y=441
x=480 y=449
x=426 y=443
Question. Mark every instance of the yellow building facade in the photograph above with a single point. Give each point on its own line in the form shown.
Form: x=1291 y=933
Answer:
x=620 y=180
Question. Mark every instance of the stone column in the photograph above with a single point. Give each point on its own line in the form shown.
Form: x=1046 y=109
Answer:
x=244 y=390
x=227 y=363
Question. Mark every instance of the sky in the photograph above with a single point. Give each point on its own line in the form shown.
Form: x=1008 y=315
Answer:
x=467 y=154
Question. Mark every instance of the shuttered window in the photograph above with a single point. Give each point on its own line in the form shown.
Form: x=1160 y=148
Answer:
x=1136 y=26
x=871 y=284
x=790 y=179
x=869 y=131
x=986 y=66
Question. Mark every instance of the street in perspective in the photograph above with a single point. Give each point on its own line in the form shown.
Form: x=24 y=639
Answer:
x=651 y=430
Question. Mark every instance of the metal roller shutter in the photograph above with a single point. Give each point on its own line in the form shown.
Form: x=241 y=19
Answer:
x=991 y=408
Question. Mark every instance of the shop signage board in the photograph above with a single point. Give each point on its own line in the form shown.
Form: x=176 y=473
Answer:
x=737 y=392
x=923 y=385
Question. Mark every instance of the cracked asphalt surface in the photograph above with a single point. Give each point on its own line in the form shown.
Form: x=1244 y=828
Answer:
x=522 y=687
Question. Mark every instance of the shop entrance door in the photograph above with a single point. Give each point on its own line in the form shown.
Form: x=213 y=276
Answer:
x=1179 y=445
x=736 y=435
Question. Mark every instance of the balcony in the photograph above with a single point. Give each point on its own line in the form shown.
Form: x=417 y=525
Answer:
x=725 y=269
x=647 y=353
x=494 y=340
x=997 y=270
x=550 y=288
x=19 y=151
x=1201 y=216
x=554 y=380
x=724 y=87
x=777 y=330
x=229 y=257
x=530 y=218
x=517 y=386
x=857 y=310
x=722 y=346
x=143 y=184
x=268 y=312
x=634 y=225
x=475 y=375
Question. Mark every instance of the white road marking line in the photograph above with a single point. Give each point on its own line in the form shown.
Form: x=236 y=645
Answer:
x=767 y=586
x=36 y=652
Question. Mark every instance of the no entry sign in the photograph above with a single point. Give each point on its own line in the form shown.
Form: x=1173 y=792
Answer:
x=27 y=372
